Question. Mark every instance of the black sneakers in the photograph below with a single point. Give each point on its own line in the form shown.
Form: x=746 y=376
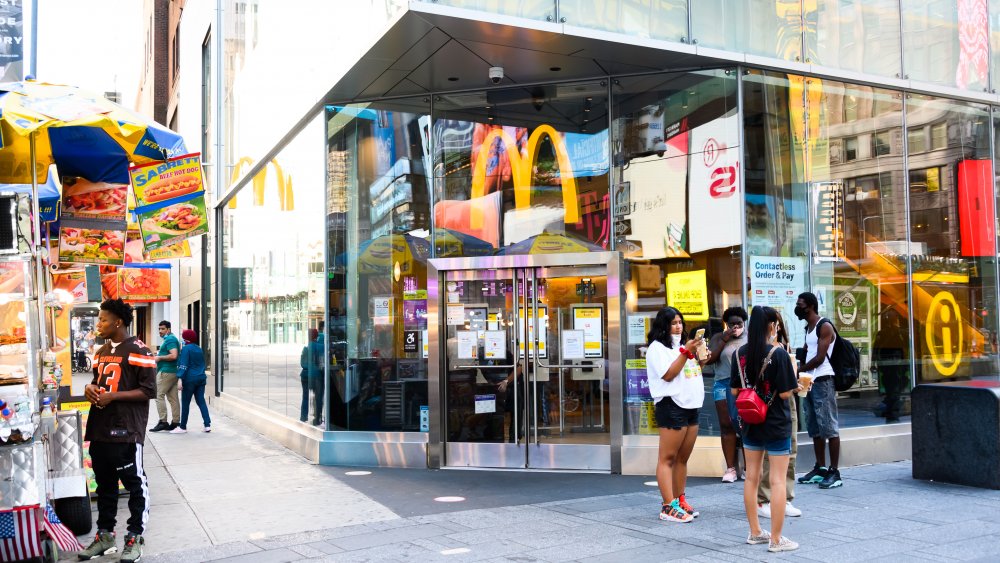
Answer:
x=817 y=474
x=832 y=480
x=160 y=426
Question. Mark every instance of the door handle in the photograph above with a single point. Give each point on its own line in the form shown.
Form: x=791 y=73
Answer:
x=477 y=366
x=558 y=366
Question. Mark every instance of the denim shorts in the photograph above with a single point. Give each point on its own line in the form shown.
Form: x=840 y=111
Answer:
x=721 y=392
x=820 y=407
x=669 y=415
x=773 y=447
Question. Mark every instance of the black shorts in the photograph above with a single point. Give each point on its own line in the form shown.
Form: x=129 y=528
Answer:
x=669 y=415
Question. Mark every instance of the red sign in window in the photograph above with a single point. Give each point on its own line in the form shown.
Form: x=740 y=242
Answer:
x=976 y=208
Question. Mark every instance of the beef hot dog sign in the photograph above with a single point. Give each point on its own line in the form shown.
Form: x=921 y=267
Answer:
x=170 y=201
x=161 y=181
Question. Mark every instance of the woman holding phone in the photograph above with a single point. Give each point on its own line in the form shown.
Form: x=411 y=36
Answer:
x=675 y=383
x=765 y=367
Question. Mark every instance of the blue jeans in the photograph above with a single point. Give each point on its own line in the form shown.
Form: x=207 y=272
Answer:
x=304 y=406
x=194 y=389
x=820 y=406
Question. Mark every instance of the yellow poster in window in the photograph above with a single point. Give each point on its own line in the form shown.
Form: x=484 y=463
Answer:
x=933 y=179
x=688 y=293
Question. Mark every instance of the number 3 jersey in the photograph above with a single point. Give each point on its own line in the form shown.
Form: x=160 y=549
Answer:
x=125 y=367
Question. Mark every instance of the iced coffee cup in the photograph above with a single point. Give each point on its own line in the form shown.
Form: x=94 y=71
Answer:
x=805 y=380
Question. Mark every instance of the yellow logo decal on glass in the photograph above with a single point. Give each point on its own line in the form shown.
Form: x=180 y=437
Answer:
x=521 y=170
x=943 y=342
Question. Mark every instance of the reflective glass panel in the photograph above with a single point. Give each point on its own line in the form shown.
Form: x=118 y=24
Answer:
x=534 y=9
x=946 y=42
x=654 y=19
x=522 y=171
x=857 y=217
x=378 y=229
x=271 y=294
x=857 y=35
x=952 y=241
x=677 y=201
x=770 y=28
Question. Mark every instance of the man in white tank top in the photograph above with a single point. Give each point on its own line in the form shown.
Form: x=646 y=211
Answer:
x=820 y=404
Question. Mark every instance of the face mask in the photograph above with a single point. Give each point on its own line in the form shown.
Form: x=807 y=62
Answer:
x=800 y=313
x=676 y=339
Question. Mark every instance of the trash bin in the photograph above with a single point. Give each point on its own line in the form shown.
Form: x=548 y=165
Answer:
x=956 y=433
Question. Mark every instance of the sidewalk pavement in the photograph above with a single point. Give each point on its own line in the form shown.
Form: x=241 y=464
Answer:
x=232 y=495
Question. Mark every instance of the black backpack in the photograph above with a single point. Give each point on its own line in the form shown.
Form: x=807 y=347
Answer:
x=844 y=358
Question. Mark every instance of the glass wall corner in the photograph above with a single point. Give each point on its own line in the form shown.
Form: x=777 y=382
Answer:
x=378 y=237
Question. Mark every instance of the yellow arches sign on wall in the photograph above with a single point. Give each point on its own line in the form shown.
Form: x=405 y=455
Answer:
x=286 y=199
x=522 y=168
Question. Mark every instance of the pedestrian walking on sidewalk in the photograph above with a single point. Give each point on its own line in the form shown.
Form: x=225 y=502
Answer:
x=767 y=369
x=764 y=492
x=166 y=380
x=123 y=384
x=192 y=379
x=675 y=383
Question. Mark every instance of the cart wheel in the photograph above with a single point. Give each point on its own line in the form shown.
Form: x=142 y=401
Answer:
x=50 y=551
x=75 y=513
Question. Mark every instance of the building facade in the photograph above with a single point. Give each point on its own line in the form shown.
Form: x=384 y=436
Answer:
x=442 y=233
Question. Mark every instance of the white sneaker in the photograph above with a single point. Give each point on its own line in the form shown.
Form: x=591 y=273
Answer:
x=784 y=544
x=764 y=537
x=729 y=476
x=764 y=510
x=208 y=429
x=790 y=510
x=178 y=430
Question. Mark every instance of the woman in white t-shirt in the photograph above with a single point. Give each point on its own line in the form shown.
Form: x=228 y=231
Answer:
x=675 y=383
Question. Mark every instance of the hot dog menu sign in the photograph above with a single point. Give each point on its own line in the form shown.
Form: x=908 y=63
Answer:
x=170 y=201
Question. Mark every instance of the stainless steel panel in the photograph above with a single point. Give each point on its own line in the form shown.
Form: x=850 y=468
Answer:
x=435 y=361
x=22 y=477
x=502 y=456
x=373 y=453
x=65 y=445
x=570 y=456
x=616 y=365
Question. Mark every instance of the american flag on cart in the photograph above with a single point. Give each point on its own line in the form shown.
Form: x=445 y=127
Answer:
x=19 y=534
x=59 y=532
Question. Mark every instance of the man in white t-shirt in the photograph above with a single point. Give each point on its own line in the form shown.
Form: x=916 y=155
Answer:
x=820 y=404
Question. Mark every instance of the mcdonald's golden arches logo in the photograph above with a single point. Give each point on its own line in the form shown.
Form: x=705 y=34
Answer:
x=286 y=198
x=521 y=170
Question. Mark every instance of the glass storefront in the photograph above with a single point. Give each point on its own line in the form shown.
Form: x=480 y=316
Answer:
x=435 y=304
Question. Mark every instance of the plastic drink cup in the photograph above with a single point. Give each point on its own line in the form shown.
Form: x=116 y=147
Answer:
x=805 y=380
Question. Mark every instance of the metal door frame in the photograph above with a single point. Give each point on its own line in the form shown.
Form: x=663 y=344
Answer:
x=438 y=346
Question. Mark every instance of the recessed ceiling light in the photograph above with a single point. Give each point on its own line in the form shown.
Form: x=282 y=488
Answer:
x=357 y=473
x=449 y=499
x=452 y=79
x=555 y=68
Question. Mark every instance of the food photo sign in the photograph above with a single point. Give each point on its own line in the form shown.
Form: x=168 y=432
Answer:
x=170 y=201
x=88 y=242
x=92 y=227
x=144 y=283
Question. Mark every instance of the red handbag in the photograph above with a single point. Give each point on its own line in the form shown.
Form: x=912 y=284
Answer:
x=749 y=406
